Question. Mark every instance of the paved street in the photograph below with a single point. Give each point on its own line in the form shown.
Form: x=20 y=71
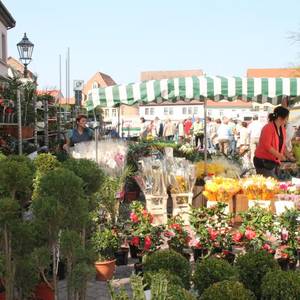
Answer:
x=97 y=290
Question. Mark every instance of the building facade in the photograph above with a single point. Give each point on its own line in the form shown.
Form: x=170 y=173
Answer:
x=6 y=22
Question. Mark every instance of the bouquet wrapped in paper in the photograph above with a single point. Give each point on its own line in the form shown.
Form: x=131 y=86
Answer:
x=151 y=177
x=111 y=154
x=181 y=175
x=257 y=187
x=221 y=189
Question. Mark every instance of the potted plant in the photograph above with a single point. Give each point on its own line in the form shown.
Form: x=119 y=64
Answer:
x=177 y=236
x=105 y=243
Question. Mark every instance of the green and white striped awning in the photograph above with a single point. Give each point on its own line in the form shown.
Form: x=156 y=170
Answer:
x=263 y=89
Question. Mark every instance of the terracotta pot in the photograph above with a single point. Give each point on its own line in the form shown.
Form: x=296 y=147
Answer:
x=44 y=292
x=105 y=270
x=27 y=132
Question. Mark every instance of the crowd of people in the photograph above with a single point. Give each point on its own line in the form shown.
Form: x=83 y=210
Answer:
x=227 y=136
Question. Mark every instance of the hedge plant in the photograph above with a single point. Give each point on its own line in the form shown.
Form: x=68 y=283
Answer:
x=277 y=285
x=253 y=266
x=212 y=270
x=170 y=261
x=229 y=290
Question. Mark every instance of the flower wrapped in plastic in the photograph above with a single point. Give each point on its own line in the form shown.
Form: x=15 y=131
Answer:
x=111 y=154
x=221 y=189
x=257 y=187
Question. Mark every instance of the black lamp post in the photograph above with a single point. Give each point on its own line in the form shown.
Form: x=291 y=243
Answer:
x=25 y=48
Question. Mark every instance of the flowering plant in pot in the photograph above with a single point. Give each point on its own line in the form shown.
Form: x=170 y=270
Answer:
x=289 y=235
x=105 y=243
x=144 y=235
x=258 y=228
x=178 y=237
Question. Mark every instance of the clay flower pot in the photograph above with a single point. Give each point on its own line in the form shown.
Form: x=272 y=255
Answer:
x=105 y=270
x=43 y=291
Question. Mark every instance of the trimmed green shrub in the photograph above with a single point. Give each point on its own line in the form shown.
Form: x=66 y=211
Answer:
x=277 y=285
x=212 y=270
x=176 y=292
x=253 y=266
x=229 y=290
x=170 y=261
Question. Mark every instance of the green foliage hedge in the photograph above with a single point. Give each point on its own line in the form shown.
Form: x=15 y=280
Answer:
x=171 y=261
x=253 y=266
x=212 y=270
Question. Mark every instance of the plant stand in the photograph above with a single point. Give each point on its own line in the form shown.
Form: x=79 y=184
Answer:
x=181 y=205
x=157 y=206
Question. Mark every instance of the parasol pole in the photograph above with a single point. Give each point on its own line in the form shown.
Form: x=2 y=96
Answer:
x=205 y=136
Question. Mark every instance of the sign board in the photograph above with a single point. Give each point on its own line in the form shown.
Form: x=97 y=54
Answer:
x=78 y=85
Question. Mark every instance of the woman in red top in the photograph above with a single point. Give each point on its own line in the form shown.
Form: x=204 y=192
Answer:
x=271 y=150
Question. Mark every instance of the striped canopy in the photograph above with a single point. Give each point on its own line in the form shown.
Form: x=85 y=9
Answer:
x=263 y=89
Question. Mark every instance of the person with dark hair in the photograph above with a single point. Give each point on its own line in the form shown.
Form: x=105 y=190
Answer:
x=271 y=148
x=81 y=133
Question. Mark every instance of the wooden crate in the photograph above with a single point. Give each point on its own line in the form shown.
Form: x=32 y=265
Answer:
x=157 y=206
x=181 y=205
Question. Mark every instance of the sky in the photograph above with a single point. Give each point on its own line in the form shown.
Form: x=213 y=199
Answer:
x=123 y=38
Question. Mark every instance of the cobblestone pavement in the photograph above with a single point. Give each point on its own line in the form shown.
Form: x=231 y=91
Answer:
x=98 y=290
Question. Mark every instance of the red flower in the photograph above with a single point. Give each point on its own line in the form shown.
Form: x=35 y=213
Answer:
x=188 y=239
x=266 y=247
x=225 y=252
x=284 y=255
x=169 y=234
x=147 y=243
x=250 y=234
x=237 y=236
x=134 y=218
x=145 y=213
x=176 y=227
x=150 y=218
x=213 y=234
x=135 y=241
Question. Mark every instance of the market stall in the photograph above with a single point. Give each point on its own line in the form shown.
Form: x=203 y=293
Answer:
x=261 y=90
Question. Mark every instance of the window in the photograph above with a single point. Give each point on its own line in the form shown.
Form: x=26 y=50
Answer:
x=265 y=108
x=113 y=112
x=190 y=110
x=221 y=113
x=146 y=111
x=95 y=85
x=106 y=113
x=256 y=108
x=171 y=111
x=196 y=110
x=152 y=111
x=166 y=111
x=3 y=43
x=184 y=110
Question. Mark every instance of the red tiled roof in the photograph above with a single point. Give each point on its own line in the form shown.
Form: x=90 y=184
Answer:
x=283 y=72
x=157 y=75
x=229 y=104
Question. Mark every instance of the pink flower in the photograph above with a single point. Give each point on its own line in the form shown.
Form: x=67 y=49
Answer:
x=237 y=236
x=135 y=241
x=266 y=247
x=250 y=234
x=169 y=234
x=147 y=243
x=213 y=234
x=195 y=244
x=283 y=186
x=134 y=218
x=176 y=227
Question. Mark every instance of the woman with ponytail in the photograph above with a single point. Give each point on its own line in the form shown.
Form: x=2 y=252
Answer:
x=271 y=149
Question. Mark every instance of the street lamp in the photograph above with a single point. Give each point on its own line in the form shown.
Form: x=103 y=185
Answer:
x=25 y=48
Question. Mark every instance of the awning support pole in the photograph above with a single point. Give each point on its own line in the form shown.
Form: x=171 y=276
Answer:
x=205 y=136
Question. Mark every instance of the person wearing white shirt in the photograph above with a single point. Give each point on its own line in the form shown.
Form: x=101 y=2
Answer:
x=290 y=133
x=254 y=130
x=224 y=136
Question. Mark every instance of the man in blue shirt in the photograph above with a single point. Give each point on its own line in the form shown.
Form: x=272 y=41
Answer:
x=81 y=133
